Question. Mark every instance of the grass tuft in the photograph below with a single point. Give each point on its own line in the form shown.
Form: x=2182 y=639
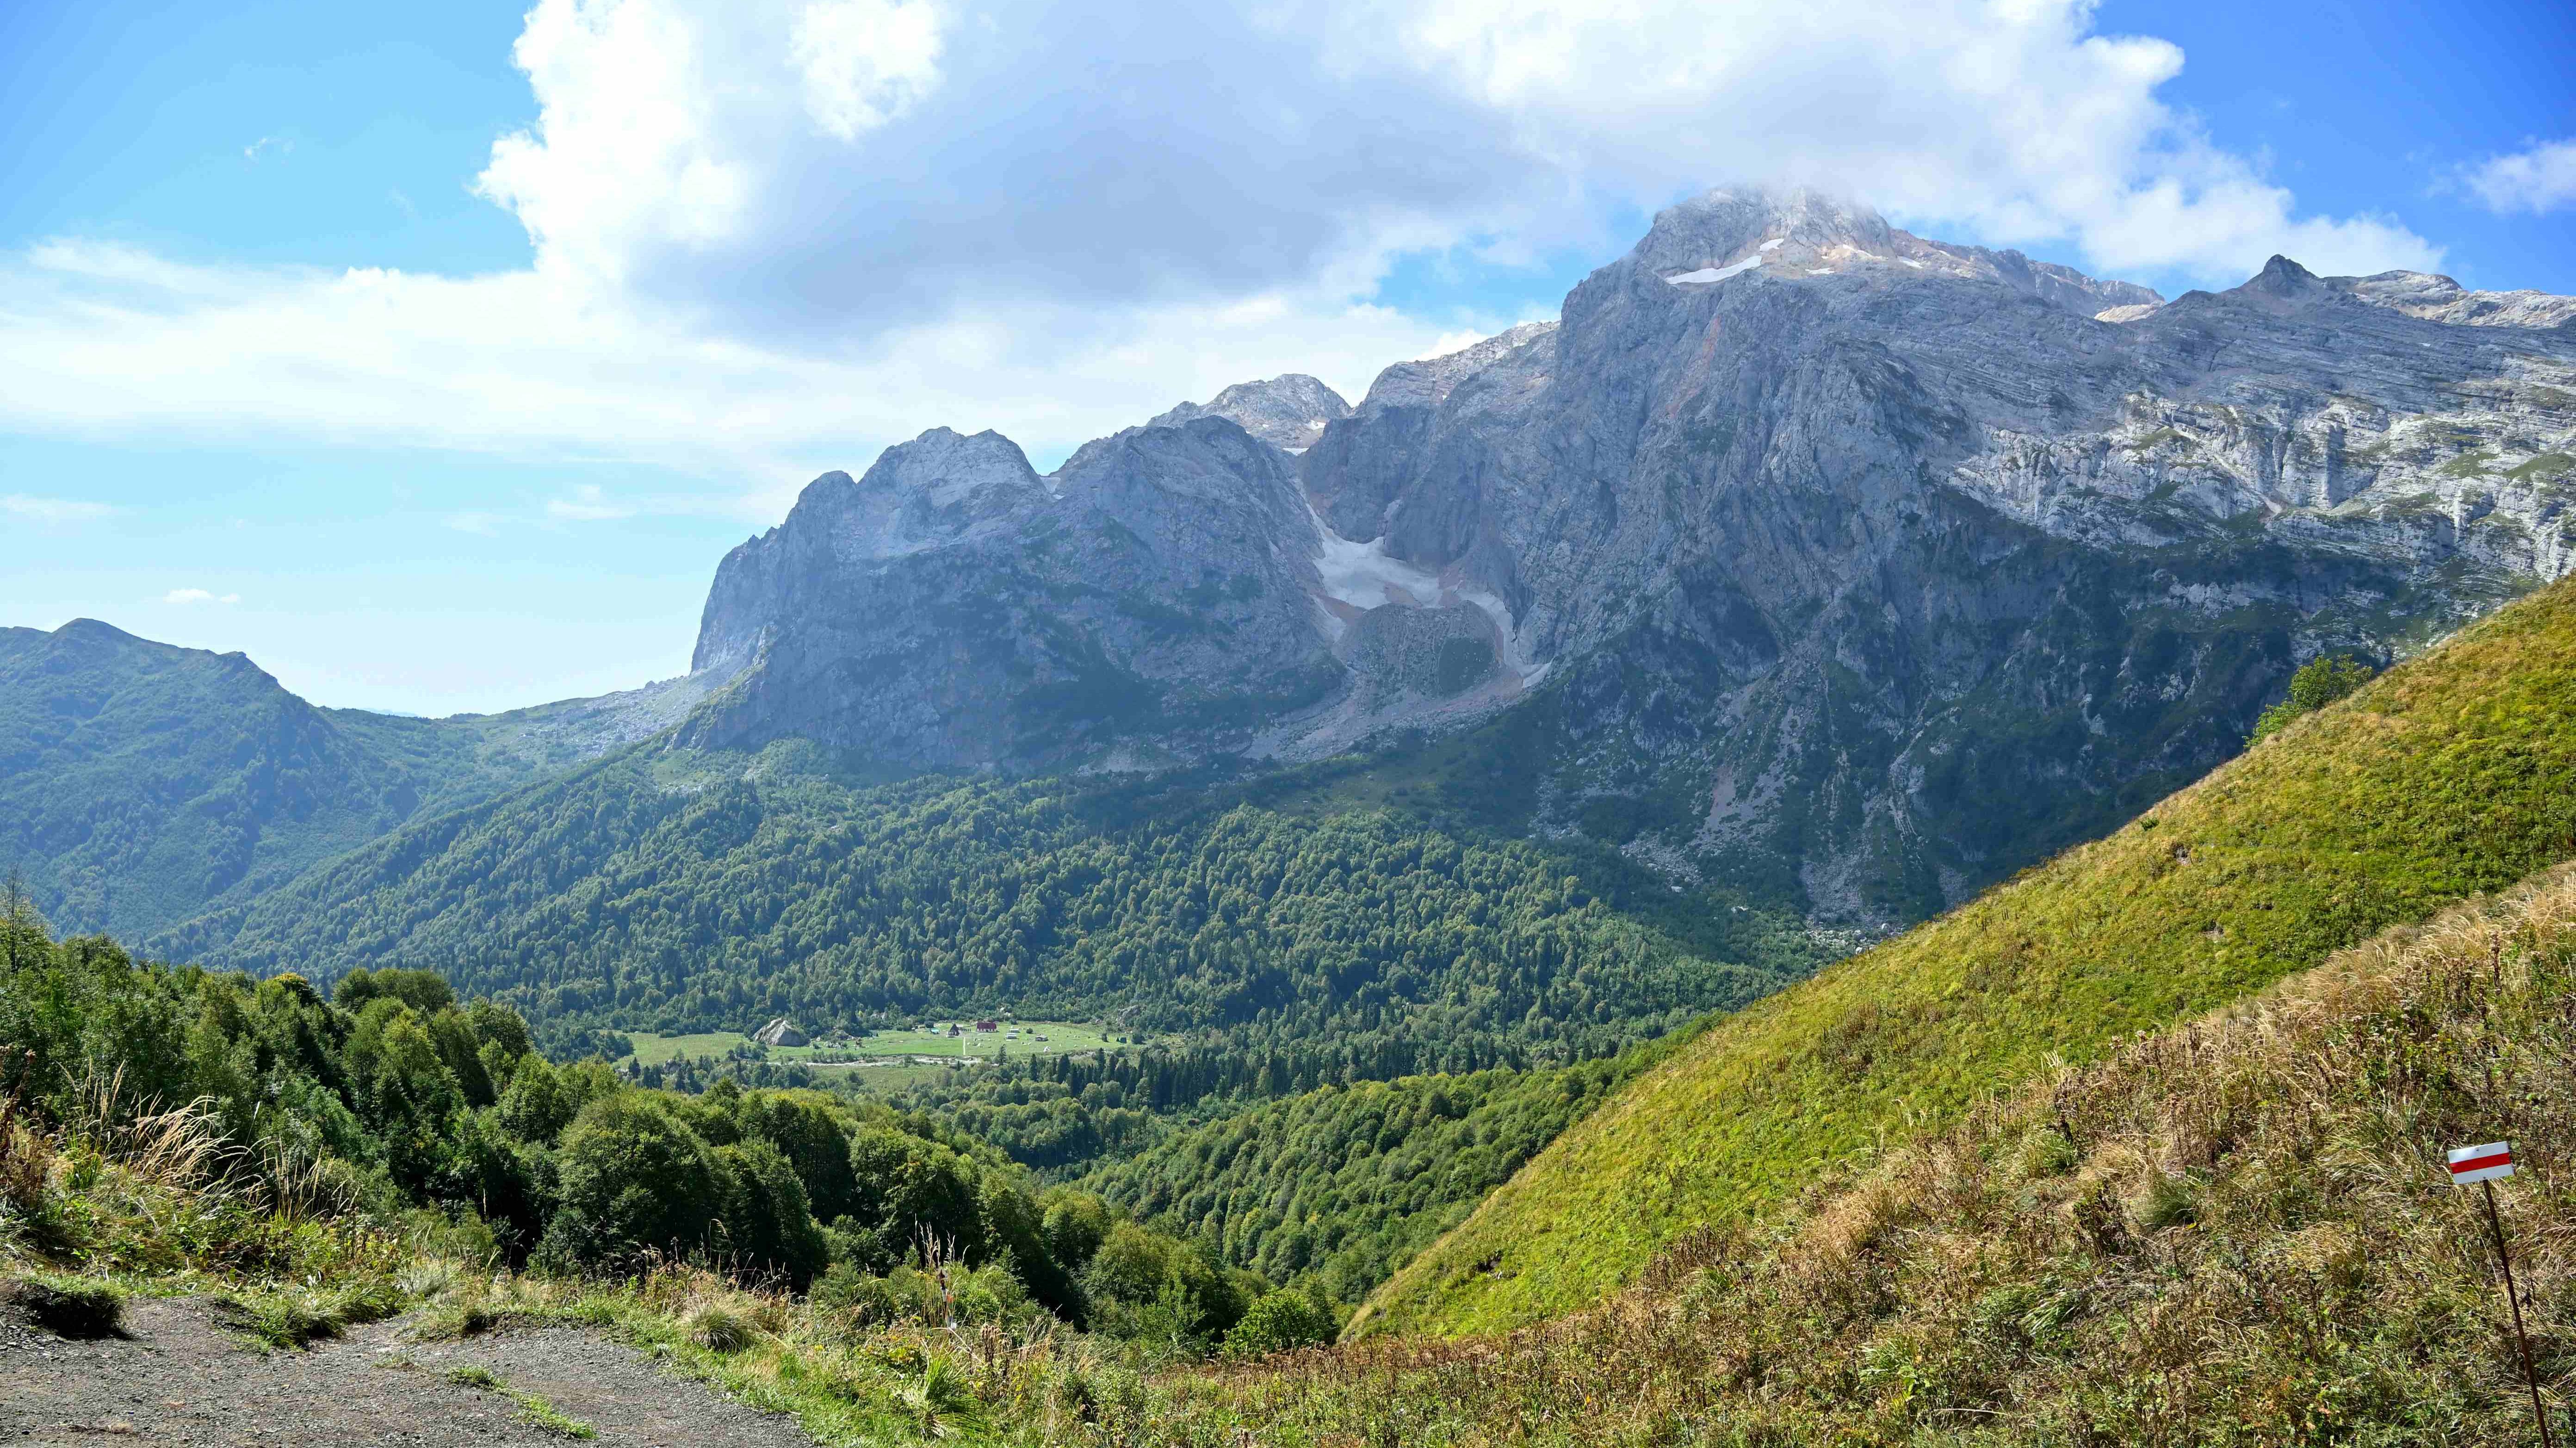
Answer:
x=533 y=1410
x=78 y=1307
x=719 y=1329
x=294 y=1318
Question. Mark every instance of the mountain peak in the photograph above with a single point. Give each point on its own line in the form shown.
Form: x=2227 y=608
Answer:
x=1713 y=228
x=1427 y=381
x=1802 y=232
x=935 y=489
x=2282 y=277
x=1288 y=411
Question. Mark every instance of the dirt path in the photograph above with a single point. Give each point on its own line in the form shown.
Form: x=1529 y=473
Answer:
x=179 y=1378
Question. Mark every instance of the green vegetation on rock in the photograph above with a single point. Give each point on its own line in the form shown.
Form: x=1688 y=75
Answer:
x=2450 y=774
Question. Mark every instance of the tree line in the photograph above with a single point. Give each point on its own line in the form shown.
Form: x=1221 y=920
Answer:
x=392 y=1095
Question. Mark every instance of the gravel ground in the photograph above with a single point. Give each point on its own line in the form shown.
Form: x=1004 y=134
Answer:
x=178 y=1377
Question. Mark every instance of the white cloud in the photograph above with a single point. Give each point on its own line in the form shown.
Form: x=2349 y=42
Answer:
x=266 y=144
x=588 y=504
x=2539 y=179
x=772 y=235
x=97 y=339
x=52 y=510
x=864 y=61
x=481 y=525
x=198 y=595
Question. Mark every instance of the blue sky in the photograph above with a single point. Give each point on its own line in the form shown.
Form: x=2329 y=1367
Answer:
x=434 y=358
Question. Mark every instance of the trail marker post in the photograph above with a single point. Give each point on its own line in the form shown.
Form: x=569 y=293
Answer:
x=2482 y=1165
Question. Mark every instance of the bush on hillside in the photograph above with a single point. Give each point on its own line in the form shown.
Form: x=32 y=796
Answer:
x=636 y=1181
x=764 y=1226
x=1281 y=1322
x=1142 y=1284
x=906 y=1189
x=2321 y=682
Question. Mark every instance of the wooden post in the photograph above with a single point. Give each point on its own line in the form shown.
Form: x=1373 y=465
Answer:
x=2530 y=1375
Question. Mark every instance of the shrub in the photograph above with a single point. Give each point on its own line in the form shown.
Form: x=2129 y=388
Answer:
x=813 y=1143
x=2313 y=687
x=1278 y=1322
x=425 y=991
x=766 y=1228
x=634 y=1180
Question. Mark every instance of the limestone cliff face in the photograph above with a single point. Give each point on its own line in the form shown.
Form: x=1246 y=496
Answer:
x=951 y=609
x=1845 y=563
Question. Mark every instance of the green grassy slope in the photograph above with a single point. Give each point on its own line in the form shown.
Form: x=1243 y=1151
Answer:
x=2237 y=1232
x=2454 y=773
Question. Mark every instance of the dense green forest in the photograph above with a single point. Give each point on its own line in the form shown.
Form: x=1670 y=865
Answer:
x=1347 y=1183
x=664 y=891
x=393 y=1098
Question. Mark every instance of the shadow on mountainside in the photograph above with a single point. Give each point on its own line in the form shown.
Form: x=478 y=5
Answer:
x=177 y=1376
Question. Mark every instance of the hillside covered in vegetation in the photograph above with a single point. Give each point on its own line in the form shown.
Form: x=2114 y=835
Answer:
x=675 y=892
x=2452 y=774
x=1347 y=1183
x=286 y=1134
x=141 y=784
x=2237 y=1231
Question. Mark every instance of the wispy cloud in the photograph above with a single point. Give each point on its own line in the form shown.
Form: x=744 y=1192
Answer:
x=198 y=595
x=588 y=505
x=481 y=525
x=267 y=146
x=2540 y=178
x=52 y=510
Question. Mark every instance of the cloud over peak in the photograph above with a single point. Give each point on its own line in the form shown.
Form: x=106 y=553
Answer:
x=770 y=235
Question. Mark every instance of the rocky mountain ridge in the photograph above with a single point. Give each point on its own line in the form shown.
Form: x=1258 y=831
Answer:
x=1898 y=561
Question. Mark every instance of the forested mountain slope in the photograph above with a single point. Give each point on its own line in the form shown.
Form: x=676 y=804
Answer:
x=674 y=890
x=2452 y=774
x=141 y=783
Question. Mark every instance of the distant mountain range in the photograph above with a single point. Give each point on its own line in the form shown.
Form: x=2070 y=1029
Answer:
x=1802 y=565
